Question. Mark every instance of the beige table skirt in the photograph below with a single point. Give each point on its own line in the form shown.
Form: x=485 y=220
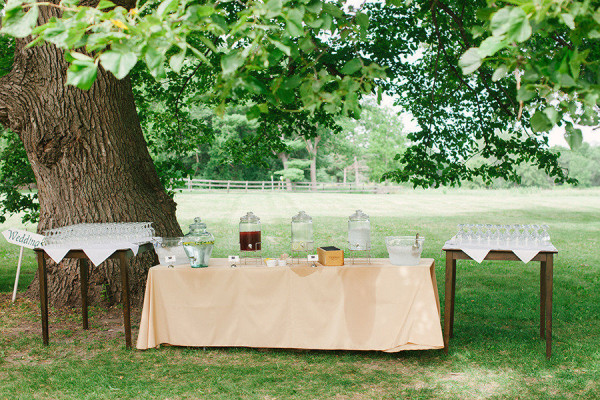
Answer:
x=355 y=307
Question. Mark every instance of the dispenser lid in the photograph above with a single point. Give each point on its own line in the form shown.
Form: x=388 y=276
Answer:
x=197 y=225
x=249 y=217
x=359 y=216
x=302 y=217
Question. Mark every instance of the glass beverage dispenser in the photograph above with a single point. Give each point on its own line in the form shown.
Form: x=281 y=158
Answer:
x=250 y=232
x=359 y=231
x=198 y=244
x=302 y=232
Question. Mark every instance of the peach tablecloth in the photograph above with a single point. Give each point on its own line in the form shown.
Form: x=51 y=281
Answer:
x=355 y=307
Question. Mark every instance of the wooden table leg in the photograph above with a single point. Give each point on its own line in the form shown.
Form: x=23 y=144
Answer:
x=124 y=265
x=43 y=282
x=448 y=304
x=453 y=297
x=83 y=274
x=542 y=299
x=549 y=279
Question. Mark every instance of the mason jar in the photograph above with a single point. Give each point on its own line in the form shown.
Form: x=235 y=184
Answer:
x=359 y=231
x=302 y=232
x=250 y=232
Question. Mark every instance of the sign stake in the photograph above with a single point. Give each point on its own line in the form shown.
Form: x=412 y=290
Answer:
x=14 y=296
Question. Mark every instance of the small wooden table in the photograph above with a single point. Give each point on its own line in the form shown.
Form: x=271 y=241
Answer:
x=123 y=255
x=546 y=259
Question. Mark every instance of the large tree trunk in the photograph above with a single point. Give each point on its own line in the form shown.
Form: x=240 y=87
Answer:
x=89 y=158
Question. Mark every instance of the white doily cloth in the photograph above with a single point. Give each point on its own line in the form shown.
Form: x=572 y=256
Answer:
x=96 y=252
x=478 y=251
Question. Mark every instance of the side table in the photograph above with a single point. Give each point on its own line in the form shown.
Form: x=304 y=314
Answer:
x=123 y=255
x=546 y=259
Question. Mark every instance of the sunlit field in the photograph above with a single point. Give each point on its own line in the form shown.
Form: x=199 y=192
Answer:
x=496 y=351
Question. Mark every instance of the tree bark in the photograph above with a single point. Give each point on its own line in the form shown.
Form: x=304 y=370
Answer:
x=312 y=148
x=284 y=157
x=90 y=161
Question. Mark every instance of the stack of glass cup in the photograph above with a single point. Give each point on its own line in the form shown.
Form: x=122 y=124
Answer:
x=502 y=235
x=100 y=233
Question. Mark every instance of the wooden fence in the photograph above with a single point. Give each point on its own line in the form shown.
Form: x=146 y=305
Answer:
x=333 y=187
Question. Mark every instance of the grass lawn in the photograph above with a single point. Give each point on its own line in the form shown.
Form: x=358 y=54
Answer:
x=496 y=352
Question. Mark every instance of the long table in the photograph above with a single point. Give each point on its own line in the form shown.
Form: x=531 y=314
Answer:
x=374 y=306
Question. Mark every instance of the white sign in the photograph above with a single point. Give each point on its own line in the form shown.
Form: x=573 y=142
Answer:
x=23 y=238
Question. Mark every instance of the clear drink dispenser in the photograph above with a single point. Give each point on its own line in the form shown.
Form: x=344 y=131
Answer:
x=359 y=231
x=198 y=244
x=302 y=232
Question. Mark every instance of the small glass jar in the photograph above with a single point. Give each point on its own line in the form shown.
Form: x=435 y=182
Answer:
x=250 y=232
x=302 y=232
x=198 y=244
x=359 y=231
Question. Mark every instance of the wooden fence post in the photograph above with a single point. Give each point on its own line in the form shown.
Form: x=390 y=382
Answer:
x=228 y=183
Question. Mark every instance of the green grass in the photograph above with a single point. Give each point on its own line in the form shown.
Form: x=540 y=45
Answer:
x=496 y=352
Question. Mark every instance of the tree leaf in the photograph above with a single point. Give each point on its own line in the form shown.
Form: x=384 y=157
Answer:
x=253 y=113
x=254 y=85
x=292 y=82
x=512 y=22
x=176 y=61
x=568 y=20
x=525 y=93
x=207 y=42
x=490 y=46
x=82 y=74
x=201 y=56
x=231 y=62
x=363 y=20
x=155 y=59
x=499 y=73
x=286 y=96
x=477 y=31
x=315 y=6
x=204 y=11
x=18 y=23
x=73 y=55
x=351 y=66
x=166 y=7
x=596 y=15
x=282 y=47
x=552 y=114
x=306 y=44
x=573 y=136
x=540 y=122
x=294 y=22
x=470 y=61
x=103 y=4
x=500 y=22
x=119 y=63
x=220 y=21
x=274 y=7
